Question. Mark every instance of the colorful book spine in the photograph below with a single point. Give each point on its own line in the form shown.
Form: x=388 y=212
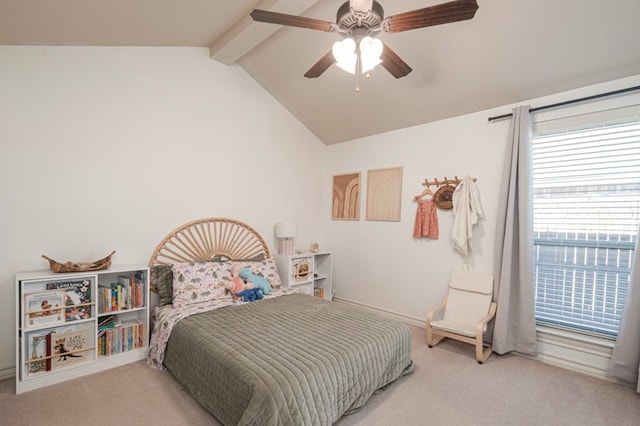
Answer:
x=123 y=338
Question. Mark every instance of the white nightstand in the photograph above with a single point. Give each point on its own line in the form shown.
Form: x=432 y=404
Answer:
x=308 y=273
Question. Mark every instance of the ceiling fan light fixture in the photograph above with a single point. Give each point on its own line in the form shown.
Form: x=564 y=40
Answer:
x=357 y=19
x=346 y=54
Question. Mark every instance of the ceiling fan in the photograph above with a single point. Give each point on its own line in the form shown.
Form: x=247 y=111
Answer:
x=359 y=22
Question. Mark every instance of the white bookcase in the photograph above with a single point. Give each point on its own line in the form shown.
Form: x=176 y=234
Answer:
x=58 y=337
x=322 y=275
x=308 y=273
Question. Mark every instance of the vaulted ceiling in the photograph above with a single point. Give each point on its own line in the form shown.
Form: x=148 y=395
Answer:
x=512 y=50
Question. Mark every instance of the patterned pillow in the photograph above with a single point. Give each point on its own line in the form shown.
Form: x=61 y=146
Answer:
x=266 y=268
x=199 y=282
x=162 y=277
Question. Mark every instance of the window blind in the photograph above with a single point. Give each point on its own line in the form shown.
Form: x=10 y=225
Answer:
x=586 y=215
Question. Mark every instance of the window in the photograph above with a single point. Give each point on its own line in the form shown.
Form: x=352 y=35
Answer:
x=586 y=215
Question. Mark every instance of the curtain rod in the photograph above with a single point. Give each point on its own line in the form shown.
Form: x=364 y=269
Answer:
x=572 y=101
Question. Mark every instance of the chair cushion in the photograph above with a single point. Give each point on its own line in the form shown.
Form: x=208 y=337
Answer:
x=466 y=307
x=455 y=327
x=469 y=299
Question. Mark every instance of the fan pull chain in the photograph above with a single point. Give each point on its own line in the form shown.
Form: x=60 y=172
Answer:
x=358 y=66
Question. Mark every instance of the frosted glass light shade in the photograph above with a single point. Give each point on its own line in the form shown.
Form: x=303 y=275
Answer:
x=346 y=55
x=370 y=52
x=344 y=52
x=285 y=229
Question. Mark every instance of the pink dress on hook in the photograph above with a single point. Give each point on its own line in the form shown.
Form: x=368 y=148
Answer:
x=426 y=224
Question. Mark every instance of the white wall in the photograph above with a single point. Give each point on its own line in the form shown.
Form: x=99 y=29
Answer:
x=112 y=148
x=379 y=264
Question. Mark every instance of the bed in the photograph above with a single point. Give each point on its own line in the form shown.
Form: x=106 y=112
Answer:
x=287 y=359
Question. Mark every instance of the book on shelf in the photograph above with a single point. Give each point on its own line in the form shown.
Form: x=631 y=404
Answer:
x=77 y=298
x=107 y=323
x=105 y=299
x=125 y=336
x=318 y=292
x=133 y=290
x=44 y=308
x=37 y=352
x=125 y=293
x=68 y=347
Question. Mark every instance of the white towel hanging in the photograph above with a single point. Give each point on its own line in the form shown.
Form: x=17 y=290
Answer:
x=467 y=211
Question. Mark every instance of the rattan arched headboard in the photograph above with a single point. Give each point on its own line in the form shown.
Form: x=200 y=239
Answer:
x=205 y=239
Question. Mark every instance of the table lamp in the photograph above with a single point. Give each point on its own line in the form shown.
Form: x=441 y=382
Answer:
x=285 y=231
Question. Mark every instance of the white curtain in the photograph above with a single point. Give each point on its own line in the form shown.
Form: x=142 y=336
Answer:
x=515 y=327
x=625 y=360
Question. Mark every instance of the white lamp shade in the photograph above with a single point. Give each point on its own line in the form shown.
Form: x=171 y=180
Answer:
x=285 y=229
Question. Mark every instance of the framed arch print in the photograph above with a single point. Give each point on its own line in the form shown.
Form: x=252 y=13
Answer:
x=384 y=194
x=346 y=197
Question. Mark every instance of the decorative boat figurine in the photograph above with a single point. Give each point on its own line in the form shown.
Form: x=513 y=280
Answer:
x=97 y=265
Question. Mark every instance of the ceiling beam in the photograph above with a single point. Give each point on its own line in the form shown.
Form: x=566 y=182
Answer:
x=246 y=34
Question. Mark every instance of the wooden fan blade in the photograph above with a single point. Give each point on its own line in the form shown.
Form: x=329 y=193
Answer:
x=321 y=66
x=292 y=20
x=453 y=11
x=392 y=63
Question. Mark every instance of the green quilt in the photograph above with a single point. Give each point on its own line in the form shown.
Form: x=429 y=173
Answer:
x=291 y=360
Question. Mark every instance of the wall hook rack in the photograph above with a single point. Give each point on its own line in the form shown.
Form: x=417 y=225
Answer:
x=445 y=181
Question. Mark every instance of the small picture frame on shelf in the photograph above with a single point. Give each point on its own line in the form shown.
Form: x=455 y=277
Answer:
x=44 y=308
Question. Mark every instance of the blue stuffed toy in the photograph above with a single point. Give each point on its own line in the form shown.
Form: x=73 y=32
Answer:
x=250 y=295
x=258 y=281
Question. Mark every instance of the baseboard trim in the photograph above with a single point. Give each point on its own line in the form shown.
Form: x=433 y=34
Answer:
x=7 y=373
x=583 y=354
x=401 y=317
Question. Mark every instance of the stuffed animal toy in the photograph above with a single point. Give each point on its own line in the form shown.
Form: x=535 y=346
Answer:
x=257 y=280
x=250 y=294
x=237 y=284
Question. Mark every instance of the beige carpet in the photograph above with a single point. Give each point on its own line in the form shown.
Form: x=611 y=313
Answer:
x=447 y=387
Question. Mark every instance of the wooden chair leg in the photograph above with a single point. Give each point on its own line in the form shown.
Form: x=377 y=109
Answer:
x=429 y=336
x=431 y=339
x=482 y=353
x=479 y=348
